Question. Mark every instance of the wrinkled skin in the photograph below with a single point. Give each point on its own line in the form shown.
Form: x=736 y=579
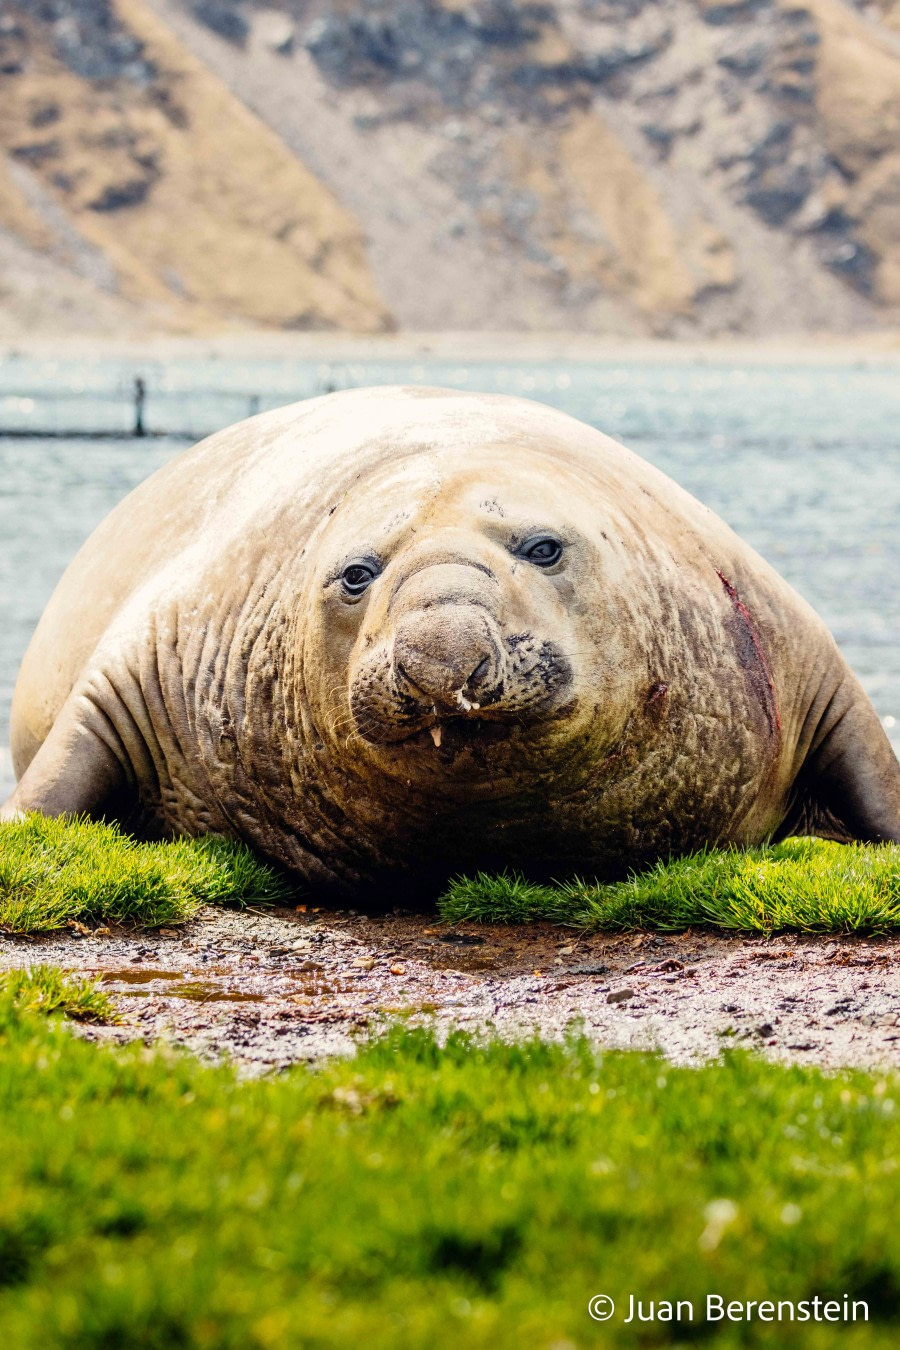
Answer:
x=389 y=635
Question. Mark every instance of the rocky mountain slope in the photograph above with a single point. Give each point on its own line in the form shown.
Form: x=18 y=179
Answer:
x=130 y=167
x=679 y=167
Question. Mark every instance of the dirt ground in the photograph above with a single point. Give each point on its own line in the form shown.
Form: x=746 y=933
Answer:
x=268 y=989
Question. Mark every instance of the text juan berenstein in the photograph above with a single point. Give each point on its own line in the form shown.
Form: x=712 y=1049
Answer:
x=719 y=1309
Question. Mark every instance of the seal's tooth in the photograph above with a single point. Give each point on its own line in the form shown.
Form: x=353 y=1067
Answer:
x=435 y=735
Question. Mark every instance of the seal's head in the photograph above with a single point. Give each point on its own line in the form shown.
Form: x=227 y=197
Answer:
x=459 y=639
x=464 y=635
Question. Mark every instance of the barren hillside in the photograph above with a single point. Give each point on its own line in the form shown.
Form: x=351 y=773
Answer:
x=130 y=167
x=682 y=167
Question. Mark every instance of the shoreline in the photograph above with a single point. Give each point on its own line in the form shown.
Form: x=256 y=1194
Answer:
x=881 y=348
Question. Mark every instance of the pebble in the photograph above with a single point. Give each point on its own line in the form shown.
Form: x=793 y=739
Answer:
x=364 y=962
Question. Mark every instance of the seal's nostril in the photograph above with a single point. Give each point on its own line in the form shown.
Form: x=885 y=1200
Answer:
x=408 y=679
x=480 y=670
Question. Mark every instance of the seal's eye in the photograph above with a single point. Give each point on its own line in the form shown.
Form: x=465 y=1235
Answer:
x=358 y=577
x=544 y=550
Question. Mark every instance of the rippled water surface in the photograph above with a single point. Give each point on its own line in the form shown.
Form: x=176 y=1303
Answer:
x=803 y=462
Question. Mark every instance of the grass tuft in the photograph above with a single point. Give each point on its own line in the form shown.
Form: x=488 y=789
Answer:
x=47 y=989
x=805 y=885
x=56 y=872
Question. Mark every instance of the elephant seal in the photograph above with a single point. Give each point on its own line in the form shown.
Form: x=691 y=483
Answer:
x=388 y=635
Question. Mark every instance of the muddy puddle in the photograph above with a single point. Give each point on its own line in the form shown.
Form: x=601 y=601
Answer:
x=270 y=989
x=139 y=976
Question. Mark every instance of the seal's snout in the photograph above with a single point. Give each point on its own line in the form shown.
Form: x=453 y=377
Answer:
x=451 y=655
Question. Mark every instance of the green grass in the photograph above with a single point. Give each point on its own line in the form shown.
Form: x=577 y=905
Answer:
x=418 y=1196
x=808 y=885
x=46 y=989
x=54 y=872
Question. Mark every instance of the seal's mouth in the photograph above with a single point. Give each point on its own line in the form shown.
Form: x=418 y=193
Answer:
x=391 y=709
x=451 y=735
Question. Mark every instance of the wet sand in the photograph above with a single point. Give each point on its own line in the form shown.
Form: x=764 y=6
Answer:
x=269 y=989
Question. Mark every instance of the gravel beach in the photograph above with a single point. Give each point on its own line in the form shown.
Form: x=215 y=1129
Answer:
x=269 y=989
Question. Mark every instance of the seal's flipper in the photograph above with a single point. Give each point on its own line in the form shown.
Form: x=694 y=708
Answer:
x=73 y=773
x=849 y=787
